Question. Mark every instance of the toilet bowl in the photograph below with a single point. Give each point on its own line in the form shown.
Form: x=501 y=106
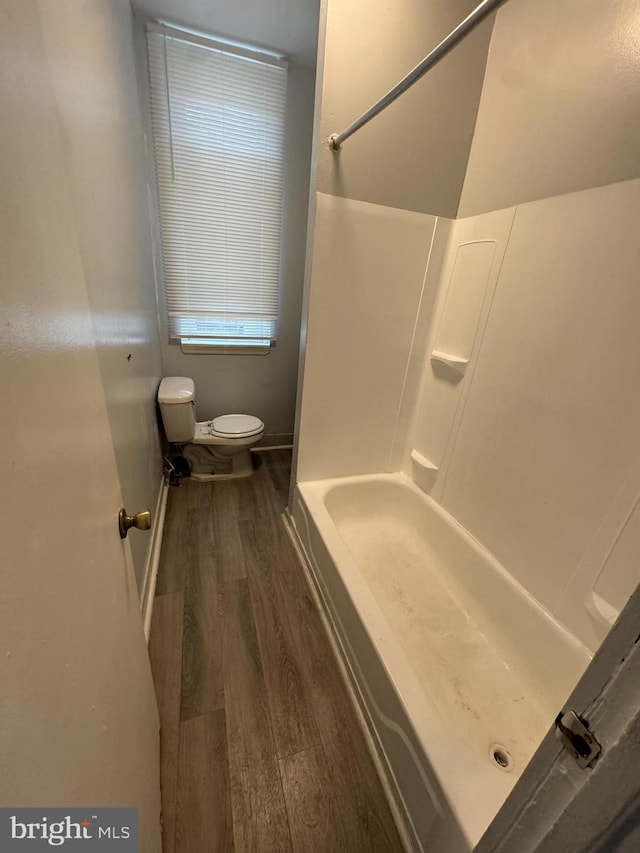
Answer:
x=218 y=449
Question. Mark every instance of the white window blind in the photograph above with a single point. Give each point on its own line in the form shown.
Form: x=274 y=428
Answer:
x=218 y=133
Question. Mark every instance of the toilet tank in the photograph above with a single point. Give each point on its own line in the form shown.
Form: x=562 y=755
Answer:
x=176 y=398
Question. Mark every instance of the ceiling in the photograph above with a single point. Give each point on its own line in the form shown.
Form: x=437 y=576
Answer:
x=289 y=27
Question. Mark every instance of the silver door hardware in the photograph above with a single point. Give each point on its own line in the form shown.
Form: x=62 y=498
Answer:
x=141 y=520
x=573 y=732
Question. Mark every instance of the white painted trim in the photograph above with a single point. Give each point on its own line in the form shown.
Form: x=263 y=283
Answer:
x=375 y=748
x=153 y=559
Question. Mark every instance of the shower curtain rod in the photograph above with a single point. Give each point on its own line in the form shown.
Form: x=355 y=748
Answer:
x=456 y=35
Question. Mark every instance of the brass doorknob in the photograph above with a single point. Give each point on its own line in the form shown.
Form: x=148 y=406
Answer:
x=141 y=520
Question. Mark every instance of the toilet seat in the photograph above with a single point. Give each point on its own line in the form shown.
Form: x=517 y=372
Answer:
x=236 y=426
x=240 y=430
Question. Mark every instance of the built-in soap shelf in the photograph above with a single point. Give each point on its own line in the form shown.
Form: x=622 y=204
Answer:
x=422 y=461
x=601 y=610
x=424 y=471
x=454 y=362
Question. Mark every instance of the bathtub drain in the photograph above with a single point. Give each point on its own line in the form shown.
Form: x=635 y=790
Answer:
x=501 y=757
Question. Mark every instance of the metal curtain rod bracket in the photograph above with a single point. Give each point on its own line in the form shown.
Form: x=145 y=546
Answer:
x=439 y=52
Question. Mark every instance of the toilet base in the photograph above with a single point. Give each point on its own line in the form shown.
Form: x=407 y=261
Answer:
x=218 y=462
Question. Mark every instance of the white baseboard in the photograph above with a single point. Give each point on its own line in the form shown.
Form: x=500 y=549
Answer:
x=153 y=558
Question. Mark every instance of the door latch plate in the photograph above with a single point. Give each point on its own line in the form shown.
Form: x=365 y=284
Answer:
x=573 y=732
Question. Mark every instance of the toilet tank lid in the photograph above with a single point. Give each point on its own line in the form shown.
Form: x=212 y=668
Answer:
x=176 y=389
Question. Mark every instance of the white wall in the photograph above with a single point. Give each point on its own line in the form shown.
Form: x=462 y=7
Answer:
x=414 y=154
x=560 y=106
x=265 y=386
x=89 y=48
x=538 y=443
x=79 y=722
x=368 y=270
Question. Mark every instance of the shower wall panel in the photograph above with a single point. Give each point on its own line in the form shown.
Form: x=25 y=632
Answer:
x=541 y=452
x=367 y=279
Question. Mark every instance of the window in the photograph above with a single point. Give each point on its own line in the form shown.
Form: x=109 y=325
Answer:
x=218 y=117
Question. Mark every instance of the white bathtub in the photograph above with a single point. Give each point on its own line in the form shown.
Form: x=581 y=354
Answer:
x=452 y=659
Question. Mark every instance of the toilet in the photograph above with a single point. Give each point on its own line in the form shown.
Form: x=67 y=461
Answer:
x=215 y=450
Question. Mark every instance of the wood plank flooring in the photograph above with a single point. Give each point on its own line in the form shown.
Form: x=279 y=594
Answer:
x=260 y=747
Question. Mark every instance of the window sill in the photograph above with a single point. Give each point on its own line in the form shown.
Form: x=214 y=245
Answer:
x=195 y=347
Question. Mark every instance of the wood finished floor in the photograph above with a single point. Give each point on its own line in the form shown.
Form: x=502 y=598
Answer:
x=260 y=747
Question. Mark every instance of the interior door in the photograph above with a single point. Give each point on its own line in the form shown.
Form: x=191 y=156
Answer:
x=79 y=724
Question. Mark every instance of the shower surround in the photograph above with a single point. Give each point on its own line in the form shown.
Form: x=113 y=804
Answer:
x=468 y=477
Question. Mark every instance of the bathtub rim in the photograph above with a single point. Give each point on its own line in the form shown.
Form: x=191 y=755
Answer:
x=458 y=787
